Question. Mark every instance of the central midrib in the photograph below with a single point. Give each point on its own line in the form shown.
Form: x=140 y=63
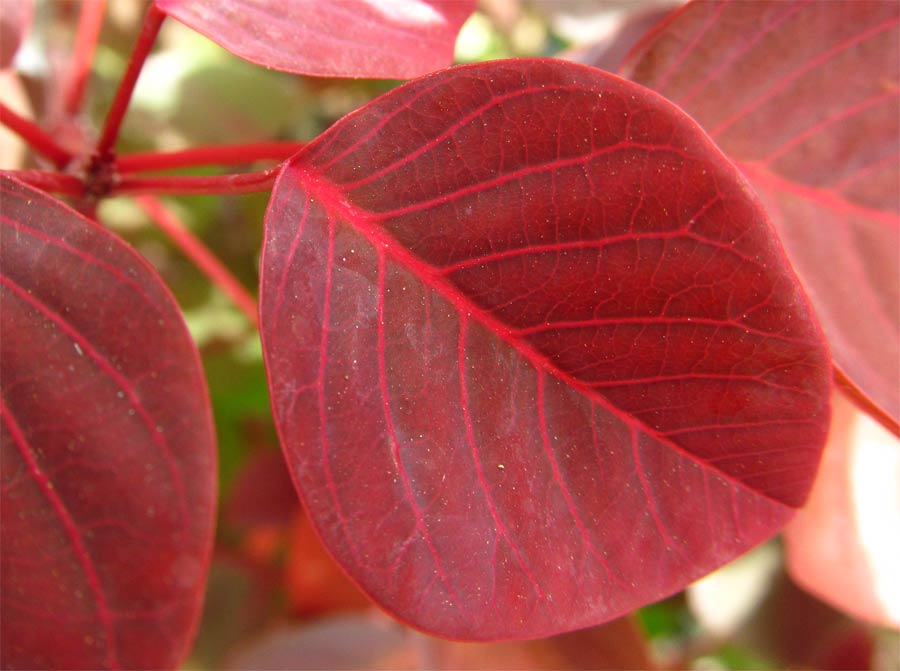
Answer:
x=336 y=203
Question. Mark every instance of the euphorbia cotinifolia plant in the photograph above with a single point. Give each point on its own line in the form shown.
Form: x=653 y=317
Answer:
x=544 y=343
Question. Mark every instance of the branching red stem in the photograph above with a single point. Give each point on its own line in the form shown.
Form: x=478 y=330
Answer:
x=200 y=255
x=35 y=136
x=89 y=22
x=46 y=180
x=193 y=185
x=232 y=154
x=149 y=30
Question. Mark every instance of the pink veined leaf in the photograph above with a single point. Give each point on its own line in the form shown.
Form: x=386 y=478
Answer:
x=805 y=98
x=535 y=355
x=108 y=453
x=385 y=39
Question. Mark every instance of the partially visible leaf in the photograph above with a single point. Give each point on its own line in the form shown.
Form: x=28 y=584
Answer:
x=385 y=39
x=843 y=546
x=313 y=582
x=242 y=598
x=337 y=643
x=15 y=20
x=262 y=494
x=108 y=454
x=615 y=645
x=536 y=357
x=805 y=97
x=379 y=644
x=622 y=28
x=794 y=630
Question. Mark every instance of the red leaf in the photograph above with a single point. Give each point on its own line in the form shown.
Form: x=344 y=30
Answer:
x=804 y=96
x=535 y=355
x=108 y=485
x=394 y=39
x=843 y=546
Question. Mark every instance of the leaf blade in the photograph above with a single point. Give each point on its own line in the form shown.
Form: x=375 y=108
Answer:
x=108 y=491
x=391 y=39
x=408 y=299
x=816 y=132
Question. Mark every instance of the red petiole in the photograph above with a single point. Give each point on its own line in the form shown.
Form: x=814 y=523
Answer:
x=89 y=22
x=105 y=174
x=233 y=154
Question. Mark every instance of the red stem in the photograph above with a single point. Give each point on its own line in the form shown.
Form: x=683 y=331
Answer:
x=200 y=255
x=149 y=30
x=89 y=22
x=249 y=182
x=864 y=403
x=45 y=180
x=35 y=136
x=232 y=154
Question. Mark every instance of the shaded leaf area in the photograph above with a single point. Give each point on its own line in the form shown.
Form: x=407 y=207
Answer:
x=386 y=39
x=795 y=630
x=381 y=644
x=804 y=97
x=108 y=453
x=535 y=355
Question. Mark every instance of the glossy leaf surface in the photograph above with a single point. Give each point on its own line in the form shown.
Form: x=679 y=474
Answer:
x=535 y=355
x=804 y=97
x=395 y=39
x=108 y=455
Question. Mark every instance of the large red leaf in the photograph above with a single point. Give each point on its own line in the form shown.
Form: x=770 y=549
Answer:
x=535 y=354
x=397 y=39
x=108 y=484
x=804 y=96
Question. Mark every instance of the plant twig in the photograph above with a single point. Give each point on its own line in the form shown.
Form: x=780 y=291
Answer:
x=231 y=154
x=149 y=30
x=89 y=22
x=200 y=255
x=46 y=180
x=864 y=403
x=249 y=182
x=35 y=136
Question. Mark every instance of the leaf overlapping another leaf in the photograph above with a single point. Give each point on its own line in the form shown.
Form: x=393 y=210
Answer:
x=805 y=98
x=536 y=356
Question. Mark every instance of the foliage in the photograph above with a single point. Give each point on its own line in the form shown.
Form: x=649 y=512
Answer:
x=538 y=354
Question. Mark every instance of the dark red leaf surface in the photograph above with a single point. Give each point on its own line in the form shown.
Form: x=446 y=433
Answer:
x=108 y=455
x=804 y=97
x=393 y=39
x=535 y=355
